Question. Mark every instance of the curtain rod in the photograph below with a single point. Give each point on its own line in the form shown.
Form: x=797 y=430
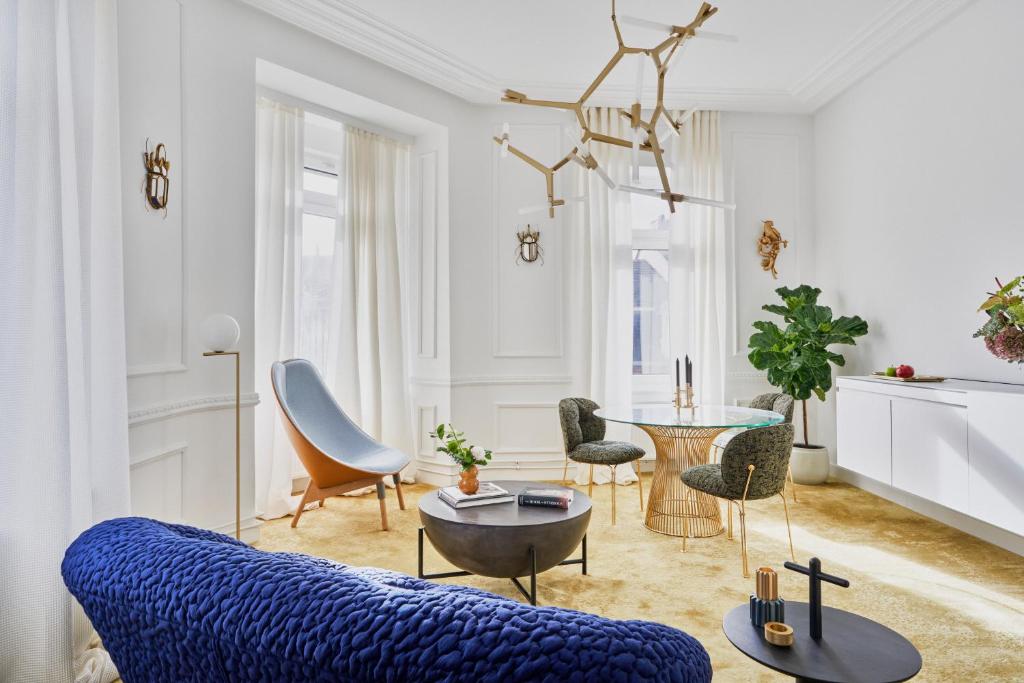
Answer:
x=334 y=115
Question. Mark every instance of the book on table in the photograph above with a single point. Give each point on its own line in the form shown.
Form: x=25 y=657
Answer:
x=487 y=494
x=555 y=498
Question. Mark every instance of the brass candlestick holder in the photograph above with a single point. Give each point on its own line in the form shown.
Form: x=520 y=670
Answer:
x=677 y=401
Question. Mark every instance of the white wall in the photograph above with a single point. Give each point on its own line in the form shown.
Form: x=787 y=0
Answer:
x=182 y=436
x=918 y=182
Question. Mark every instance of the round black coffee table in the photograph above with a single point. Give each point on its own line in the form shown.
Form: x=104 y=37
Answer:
x=505 y=540
x=852 y=649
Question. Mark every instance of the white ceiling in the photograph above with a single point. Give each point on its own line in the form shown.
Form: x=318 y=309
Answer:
x=793 y=55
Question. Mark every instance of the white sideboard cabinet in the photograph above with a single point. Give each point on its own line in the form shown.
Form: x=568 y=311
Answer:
x=956 y=443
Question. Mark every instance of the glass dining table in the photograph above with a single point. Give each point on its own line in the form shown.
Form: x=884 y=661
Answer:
x=682 y=439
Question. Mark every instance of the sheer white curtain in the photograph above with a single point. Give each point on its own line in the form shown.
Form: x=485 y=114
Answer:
x=698 y=256
x=279 y=157
x=366 y=347
x=601 y=282
x=64 y=443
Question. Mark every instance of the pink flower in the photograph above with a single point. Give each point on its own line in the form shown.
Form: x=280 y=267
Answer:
x=1007 y=343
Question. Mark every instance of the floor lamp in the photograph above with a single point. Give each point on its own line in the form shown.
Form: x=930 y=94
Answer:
x=221 y=332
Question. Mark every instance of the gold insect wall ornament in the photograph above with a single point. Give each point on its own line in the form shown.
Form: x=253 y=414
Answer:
x=768 y=246
x=645 y=135
x=529 y=249
x=158 y=179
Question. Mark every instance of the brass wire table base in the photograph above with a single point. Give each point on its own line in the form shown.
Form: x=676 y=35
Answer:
x=673 y=508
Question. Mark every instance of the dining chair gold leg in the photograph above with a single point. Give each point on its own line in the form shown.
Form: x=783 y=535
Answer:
x=686 y=517
x=789 y=531
x=613 y=486
x=792 y=484
x=729 y=533
x=565 y=469
x=743 y=538
x=743 y=521
x=590 y=486
x=640 y=481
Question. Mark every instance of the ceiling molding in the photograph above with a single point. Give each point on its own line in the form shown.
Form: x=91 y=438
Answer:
x=894 y=30
x=350 y=26
x=345 y=23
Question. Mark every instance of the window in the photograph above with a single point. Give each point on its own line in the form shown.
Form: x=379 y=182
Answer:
x=651 y=343
x=321 y=209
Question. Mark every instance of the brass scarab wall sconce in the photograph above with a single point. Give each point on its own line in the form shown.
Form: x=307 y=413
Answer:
x=158 y=179
x=529 y=246
x=768 y=246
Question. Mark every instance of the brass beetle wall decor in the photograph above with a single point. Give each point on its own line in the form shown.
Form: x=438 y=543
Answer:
x=158 y=179
x=768 y=246
x=529 y=246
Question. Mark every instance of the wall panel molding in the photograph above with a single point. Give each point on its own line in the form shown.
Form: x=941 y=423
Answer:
x=426 y=421
x=163 y=411
x=512 y=443
x=427 y=275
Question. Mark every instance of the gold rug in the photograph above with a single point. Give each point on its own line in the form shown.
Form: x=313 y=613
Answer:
x=958 y=599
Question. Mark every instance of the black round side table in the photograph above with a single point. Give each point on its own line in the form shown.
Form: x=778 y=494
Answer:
x=505 y=540
x=853 y=649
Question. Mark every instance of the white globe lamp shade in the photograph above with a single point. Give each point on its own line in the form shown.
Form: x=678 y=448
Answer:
x=219 y=332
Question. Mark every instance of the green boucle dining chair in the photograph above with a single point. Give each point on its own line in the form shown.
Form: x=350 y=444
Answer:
x=779 y=403
x=753 y=467
x=583 y=436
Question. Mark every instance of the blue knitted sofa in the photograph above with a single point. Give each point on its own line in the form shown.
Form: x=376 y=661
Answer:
x=174 y=603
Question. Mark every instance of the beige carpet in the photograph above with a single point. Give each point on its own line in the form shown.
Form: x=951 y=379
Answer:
x=958 y=599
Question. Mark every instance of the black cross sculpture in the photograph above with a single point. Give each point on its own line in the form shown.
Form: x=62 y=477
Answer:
x=816 y=577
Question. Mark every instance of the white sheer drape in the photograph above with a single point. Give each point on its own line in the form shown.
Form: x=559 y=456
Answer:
x=279 y=157
x=601 y=281
x=366 y=347
x=64 y=443
x=698 y=256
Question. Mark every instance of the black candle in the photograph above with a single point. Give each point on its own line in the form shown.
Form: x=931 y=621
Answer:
x=677 y=373
x=689 y=371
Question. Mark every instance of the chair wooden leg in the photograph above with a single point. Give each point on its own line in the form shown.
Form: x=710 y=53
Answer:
x=789 y=531
x=590 y=486
x=614 y=486
x=308 y=496
x=397 y=478
x=383 y=507
x=640 y=482
x=792 y=485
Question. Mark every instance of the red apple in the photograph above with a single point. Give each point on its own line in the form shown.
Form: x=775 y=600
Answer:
x=904 y=372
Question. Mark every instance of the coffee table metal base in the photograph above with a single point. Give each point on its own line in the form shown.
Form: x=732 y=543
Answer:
x=531 y=594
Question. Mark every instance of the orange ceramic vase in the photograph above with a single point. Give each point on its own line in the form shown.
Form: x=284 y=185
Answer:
x=468 y=483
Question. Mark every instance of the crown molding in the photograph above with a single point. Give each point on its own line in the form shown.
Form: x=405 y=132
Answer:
x=900 y=25
x=346 y=24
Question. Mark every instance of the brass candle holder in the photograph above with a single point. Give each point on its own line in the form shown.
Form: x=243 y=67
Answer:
x=677 y=400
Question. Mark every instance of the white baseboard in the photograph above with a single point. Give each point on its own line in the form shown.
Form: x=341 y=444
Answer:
x=969 y=525
x=250 y=529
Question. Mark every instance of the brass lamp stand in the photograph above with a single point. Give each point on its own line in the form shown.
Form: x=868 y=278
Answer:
x=238 y=436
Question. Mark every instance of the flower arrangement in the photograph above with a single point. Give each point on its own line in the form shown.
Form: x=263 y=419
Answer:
x=453 y=442
x=1004 y=331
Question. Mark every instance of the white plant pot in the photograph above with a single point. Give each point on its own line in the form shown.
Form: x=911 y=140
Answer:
x=810 y=464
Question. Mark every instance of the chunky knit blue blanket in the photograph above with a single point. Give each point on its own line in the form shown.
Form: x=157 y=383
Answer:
x=174 y=603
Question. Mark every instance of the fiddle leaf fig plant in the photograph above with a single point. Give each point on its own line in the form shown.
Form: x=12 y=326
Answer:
x=797 y=357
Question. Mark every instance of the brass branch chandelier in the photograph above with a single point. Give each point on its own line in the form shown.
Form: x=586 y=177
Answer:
x=645 y=132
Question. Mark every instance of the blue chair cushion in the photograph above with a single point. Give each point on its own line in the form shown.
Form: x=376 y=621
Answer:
x=174 y=603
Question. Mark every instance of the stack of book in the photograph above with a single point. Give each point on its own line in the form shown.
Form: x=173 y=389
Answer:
x=552 y=498
x=487 y=494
